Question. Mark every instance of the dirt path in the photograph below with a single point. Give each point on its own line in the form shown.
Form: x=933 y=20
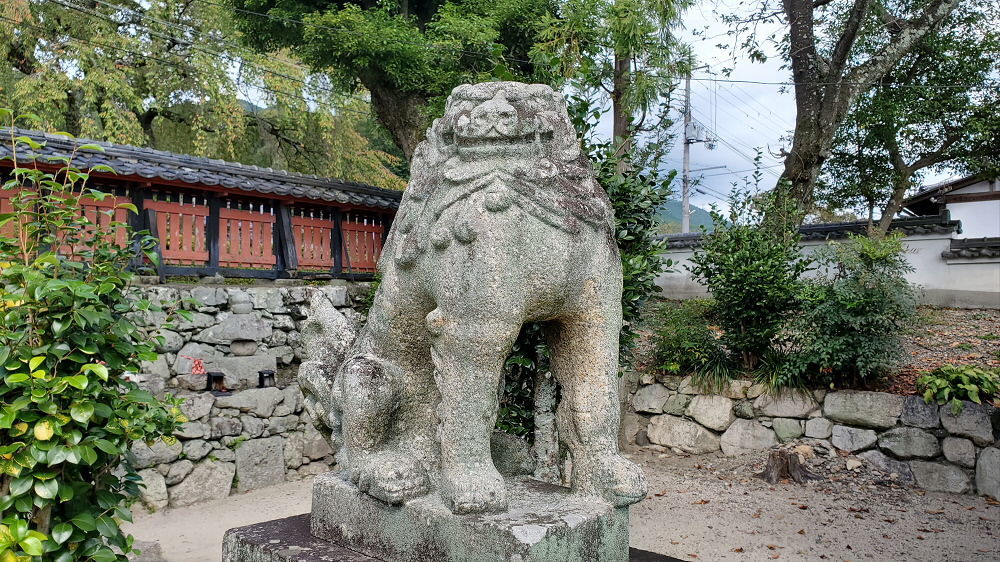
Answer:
x=700 y=508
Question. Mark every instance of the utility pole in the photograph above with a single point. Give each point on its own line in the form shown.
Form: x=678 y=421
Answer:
x=686 y=177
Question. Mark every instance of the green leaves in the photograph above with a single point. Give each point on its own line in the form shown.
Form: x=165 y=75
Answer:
x=66 y=415
x=951 y=383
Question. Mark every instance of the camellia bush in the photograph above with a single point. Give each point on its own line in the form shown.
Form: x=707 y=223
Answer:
x=68 y=412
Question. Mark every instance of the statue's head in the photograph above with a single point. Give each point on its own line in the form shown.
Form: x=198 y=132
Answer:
x=506 y=119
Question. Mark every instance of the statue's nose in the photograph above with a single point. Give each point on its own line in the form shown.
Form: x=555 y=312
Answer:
x=495 y=111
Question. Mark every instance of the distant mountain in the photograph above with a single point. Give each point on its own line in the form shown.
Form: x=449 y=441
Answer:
x=670 y=217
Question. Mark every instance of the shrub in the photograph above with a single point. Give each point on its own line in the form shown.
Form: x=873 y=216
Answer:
x=954 y=384
x=685 y=343
x=752 y=272
x=850 y=330
x=68 y=413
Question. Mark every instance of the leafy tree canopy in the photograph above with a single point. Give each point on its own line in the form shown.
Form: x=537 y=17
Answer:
x=170 y=74
x=939 y=110
x=408 y=55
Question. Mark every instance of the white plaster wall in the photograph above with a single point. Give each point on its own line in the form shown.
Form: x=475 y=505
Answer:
x=980 y=219
x=955 y=283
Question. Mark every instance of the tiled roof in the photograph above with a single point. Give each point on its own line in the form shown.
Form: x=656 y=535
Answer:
x=936 y=224
x=973 y=248
x=158 y=164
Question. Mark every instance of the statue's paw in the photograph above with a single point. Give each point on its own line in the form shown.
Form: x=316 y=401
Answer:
x=612 y=477
x=393 y=479
x=474 y=490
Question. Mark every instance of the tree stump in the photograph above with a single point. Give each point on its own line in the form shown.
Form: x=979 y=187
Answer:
x=783 y=464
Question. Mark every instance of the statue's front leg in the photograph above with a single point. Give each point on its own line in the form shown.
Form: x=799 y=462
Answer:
x=469 y=351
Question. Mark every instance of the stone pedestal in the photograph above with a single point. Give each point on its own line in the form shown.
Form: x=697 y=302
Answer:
x=543 y=522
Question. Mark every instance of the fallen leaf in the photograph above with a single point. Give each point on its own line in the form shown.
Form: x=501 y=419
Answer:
x=738 y=549
x=693 y=555
x=756 y=515
x=774 y=547
x=701 y=502
x=935 y=511
x=992 y=501
x=892 y=521
x=674 y=542
x=802 y=531
x=774 y=556
x=803 y=507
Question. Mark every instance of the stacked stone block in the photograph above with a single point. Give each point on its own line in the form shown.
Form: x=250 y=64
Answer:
x=253 y=437
x=922 y=444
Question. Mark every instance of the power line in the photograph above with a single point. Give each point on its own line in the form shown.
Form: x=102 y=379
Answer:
x=512 y=59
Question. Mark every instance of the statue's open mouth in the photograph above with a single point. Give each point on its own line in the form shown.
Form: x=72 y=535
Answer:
x=476 y=141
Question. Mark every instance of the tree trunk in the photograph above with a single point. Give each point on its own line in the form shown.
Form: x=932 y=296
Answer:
x=903 y=184
x=621 y=125
x=783 y=464
x=401 y=113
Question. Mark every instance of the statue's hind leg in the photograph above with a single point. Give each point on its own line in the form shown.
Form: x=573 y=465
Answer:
x=584 y=346
x=387 y=400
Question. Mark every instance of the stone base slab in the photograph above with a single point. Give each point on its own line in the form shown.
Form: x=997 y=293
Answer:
x=289 y=540
x=543 y=523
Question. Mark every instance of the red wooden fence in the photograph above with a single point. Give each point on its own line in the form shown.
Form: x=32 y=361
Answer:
x=246 y=239
x=362 y=242
x=182 y=232
x=313 y=240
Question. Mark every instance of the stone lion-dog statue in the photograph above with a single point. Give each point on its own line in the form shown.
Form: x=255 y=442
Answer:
x=503 y=223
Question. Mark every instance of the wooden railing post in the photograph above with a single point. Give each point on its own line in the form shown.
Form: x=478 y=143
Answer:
x=212 y=232
x=288 y=258
x=150 y=219
x=337 y=242
x=138 y=223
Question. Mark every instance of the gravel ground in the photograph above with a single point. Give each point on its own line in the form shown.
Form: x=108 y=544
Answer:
x=700 y=508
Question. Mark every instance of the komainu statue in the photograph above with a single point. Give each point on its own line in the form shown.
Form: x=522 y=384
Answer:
x=503 y=223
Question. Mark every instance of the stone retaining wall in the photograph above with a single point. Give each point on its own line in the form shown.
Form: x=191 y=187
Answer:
x=253 y=437
x=920 y=443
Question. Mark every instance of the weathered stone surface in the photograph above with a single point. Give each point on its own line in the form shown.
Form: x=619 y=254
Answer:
x=223 y=426
x=197 y=406
x=787 y=429
x=283 y=540
x=176 y=473
x=988 y=473
x=260 y=401
x=241 y=372
x=198 y=321
x=196 y=449
x=744 y=436
x=743 y=409
x=336 y=294
x=785 y=404
x=240 y=301
x=819 y=428
x=671 y=431
x=243 y=348
x=291 y=401
x=511 y=455
x=150 y=551
x=260 y=463
x=159 y=368
x=974 y=422
x=712 y=411
x=650 y=399
x=888 y=465
x=503 y=223
x=687 y=386
x=852 y=439
x=236 y=327
x=909 y=442
x=917 y=413
x=210 y=480
x=672 y=382
x=153 y=490
x=145 y=456
x=877 y=410
x=190 y=430
x=294 y=443
x=252 y=426
x=168 y=341
x=959 y=451
x=543 y=523
x=209 y=296
x=282 y=424
x=940 y=477
x=736 y=389
x=677 y=404
x=315 y=446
